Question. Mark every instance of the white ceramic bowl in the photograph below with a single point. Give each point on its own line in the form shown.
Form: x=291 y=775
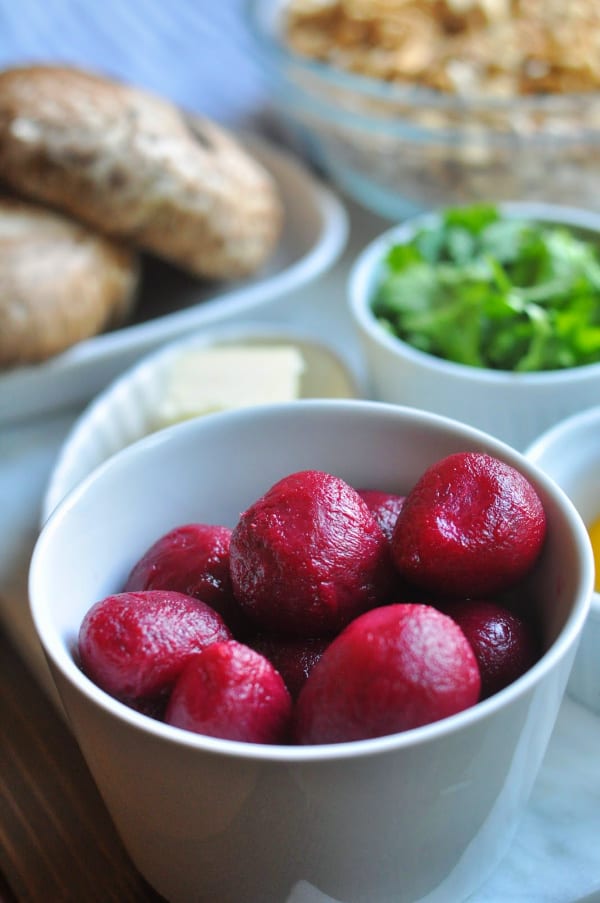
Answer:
x=515 y=407
x=570 y=453
x=127 y=409
x=421 y=815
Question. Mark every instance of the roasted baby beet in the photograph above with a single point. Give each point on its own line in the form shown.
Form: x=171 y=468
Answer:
x=191 y=559
x=326 y=653
x=134 y=645
x=471 y=526
x=233 y=692
x=384 y=506
x=392 y=669
x=504 y=644
x=308 y=556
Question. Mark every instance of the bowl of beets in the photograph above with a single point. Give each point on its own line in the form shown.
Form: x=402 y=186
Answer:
x=303 y=644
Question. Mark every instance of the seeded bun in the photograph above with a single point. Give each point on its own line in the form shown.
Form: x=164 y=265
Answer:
x=135 y=167
x=59 y=283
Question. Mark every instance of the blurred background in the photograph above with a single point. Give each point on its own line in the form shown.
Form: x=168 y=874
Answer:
x=194 y=51
x=521 y=125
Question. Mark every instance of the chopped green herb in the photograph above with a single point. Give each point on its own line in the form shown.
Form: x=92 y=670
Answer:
x=490 y=291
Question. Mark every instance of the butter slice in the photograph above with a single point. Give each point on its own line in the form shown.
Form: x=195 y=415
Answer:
x=208 y=380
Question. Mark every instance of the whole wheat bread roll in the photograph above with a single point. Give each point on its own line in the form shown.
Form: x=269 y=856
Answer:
x=136 y=167
x=59 y=283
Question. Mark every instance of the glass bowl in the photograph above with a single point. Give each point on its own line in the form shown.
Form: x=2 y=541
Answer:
x=401 y=149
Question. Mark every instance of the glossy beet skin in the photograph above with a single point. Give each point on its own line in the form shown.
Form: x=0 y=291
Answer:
x=471 y=527
x=310 y=580
x=233 y=692
x=392 y=669
x=505 y=645
x=192 y=559
x=134 y=645
x=308 y=556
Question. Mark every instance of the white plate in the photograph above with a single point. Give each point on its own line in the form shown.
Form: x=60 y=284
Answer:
x=126 y=410
x=172 y=304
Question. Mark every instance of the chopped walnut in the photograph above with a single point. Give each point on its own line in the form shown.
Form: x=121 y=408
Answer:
x=496 y=47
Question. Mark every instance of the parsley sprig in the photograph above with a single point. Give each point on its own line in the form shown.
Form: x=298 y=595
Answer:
x=491 y=291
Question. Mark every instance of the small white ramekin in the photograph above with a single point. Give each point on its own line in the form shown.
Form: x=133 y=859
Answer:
x=570 y=453
x=515 y=407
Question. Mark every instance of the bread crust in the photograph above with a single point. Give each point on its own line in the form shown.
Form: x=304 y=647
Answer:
x=59 y=283
x=134 y=166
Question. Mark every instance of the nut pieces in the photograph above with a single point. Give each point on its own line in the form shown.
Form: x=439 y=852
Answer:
x=548 y=46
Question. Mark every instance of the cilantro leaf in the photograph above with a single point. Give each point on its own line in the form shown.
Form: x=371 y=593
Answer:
x=482 y=289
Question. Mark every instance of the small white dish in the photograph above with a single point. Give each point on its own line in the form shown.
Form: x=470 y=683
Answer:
x=126 y=410
x=515 y=407
x=570 y=454
x=314 y=235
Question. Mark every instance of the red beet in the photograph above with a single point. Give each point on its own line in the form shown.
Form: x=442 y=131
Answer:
x=134 y=645
x=470 y=527
x=384 y=506
x=504 y=644
x=293 y=658
x=308 y=556
x=191 y=559
x=233 y=692
x=392 y=669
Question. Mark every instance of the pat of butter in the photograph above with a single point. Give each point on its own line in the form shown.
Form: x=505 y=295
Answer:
x=209 y=380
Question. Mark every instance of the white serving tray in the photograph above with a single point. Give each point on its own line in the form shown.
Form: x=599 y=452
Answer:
x=172 y=304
